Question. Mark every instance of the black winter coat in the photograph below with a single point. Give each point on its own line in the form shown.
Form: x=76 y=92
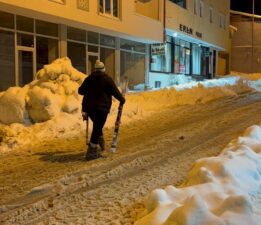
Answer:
x=98 y=89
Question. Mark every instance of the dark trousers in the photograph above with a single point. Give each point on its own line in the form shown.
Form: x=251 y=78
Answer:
x=98 y=118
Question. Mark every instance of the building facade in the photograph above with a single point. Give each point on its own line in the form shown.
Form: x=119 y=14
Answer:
x=151 y=42
x=197 y=42
x=246 y=42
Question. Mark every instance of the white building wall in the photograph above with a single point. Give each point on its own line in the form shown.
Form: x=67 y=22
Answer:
x=129 y=25
x=212 y=33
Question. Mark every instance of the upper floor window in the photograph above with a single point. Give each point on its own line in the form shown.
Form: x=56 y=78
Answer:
x=109 y=7
x=201 y=8
x=195 y=7
x=181 y=3
x=222 y=21
x=211 y=15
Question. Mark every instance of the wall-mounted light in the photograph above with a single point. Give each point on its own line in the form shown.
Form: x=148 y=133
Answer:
x=175 y=34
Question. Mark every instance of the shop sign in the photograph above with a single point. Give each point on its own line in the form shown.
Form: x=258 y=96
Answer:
x=186 y=29
x=158 y=49
x=189 y=30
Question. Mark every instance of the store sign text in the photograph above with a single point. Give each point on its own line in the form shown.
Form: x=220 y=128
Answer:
x=158 y=49
x=189 y=30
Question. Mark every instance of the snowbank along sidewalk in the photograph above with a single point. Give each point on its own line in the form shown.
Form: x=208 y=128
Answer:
x=219 y=190
x=49 y=107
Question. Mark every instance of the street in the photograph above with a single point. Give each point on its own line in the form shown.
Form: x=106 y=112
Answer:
x=52 y=183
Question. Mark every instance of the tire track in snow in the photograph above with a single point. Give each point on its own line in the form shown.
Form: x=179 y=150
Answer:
x=160 y=159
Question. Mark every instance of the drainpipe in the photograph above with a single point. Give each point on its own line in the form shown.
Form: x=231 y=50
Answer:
x=164 y=21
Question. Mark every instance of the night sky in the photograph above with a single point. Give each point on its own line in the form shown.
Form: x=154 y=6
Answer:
x=246 y=6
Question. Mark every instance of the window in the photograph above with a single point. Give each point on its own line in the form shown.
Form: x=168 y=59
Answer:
x=77 y=53
x=132 y=45
x=24 y=24
x=7 y=60
x=196 y=59
x=195 y=7
x=161 y=57
x=93 y=37
x=201 y=8
x=181 y=3
x=46 y=51
x=133 y=67
x=222 y=21
x=109 y=7
x=76 y=34
x=46 y=28
x=132 y=61
x=211 y=15
x=107 y=40
x=182 y=57
x=6 y=20
x=107 y=56
x=25 y=40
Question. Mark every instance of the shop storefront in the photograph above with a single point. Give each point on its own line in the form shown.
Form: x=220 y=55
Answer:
x=27 y=44
x=178 y=57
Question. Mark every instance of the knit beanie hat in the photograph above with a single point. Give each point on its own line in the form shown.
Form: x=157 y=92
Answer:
x=99 y=66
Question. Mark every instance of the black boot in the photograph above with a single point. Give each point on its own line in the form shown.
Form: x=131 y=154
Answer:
x=101 y=143
x=92 y=153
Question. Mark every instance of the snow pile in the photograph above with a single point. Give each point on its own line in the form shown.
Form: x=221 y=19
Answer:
x=146 y=103
x=53 y=94
x=54 y=90
x=13 y=105
x=218 y=190
x=52 y=97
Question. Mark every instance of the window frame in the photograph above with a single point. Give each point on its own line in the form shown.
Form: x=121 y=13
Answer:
x=201 y=8
x=196 y=7
x=211 y=14
x=102 y=8
x=170 y=58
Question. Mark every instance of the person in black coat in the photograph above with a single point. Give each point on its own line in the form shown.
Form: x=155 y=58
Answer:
x=97 y=90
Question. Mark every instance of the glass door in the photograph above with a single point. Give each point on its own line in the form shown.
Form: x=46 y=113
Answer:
x=92 y=57
x=26 y=64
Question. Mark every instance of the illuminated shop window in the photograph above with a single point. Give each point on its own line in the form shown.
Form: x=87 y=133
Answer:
x=109 y=7
x=182 y=57
x=161 y=57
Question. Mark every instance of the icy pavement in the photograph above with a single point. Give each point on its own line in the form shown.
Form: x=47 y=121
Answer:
x=153 y=153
